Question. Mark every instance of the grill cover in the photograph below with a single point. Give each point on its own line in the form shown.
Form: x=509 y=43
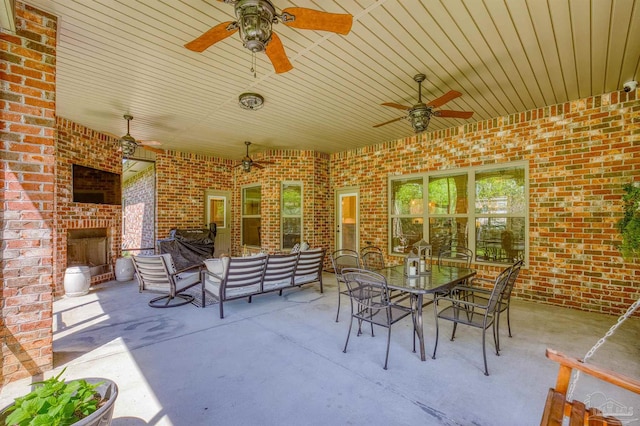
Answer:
x=188 y=247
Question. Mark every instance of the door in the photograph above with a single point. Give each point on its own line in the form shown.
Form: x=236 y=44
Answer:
x=347 y=219
x=217 y=209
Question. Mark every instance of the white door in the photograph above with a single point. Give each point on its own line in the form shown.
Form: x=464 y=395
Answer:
x=217 y=209
x=347 y=219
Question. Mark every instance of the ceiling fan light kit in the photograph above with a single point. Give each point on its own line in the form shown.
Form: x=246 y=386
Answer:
x=419 y=118
x=255 y=19
x=127 y=142
x=250 y=101
x=420 y=114
x=247 y=162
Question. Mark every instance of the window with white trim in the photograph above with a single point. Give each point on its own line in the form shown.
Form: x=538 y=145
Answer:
x=483 y=208
x=251 y=220
x=290 y=214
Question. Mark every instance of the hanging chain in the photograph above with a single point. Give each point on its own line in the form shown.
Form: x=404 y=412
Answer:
x=253 y=64
x=603 y=339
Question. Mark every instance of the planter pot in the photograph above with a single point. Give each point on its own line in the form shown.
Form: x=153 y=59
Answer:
x=77 y=280
x=102 y=416
x=124 y=269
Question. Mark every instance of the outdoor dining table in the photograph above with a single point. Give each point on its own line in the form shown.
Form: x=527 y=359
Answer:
x=439 y=280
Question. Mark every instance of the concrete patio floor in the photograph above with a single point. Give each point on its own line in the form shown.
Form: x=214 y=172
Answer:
x=279 y=361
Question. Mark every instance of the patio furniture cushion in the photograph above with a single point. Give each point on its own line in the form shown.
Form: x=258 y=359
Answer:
x=279 y=271
x=220 y=267
x=309 y=267
x=217 y=266
x=238 y=277
x=157 y=273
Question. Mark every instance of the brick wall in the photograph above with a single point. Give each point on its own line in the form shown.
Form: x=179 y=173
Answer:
x=579 y=153
x=139 y=206
x=181 y=181
x=77 y=144
x=309 y=167
x=27 y=109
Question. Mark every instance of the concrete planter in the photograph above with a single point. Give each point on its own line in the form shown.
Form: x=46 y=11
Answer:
x=124 y=269
x=77 y=280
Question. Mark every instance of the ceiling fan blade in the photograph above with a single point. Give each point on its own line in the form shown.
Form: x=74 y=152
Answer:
x=149 y=143
x=450 y=95
x=111 y=135
x=257 y=165
x=389 y=122
x=275 y=52
x=444 y=113
x=394 y=105
x=214 y=35
x=152 y=149
x=309 y=19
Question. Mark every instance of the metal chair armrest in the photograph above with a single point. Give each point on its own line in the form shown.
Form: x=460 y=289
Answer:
x=190 y=268
x=485 y=280
x=207 y=272
x=459 y=302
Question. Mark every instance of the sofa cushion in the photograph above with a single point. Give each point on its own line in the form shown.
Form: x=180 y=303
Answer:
x=279 y=271
x=213 y=286
x=237 y=285
x=168 y=260
x=184 y=279
x=217 y=266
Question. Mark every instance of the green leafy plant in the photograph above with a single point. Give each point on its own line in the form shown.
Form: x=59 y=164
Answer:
x=629 y=225
x=55 y=403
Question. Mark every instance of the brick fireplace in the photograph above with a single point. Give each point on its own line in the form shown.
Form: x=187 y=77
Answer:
x=80 y=225
x=94 y=243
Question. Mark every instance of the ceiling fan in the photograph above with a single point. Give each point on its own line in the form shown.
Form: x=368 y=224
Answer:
x=255 y=20
x=420 y=114
x=128 y=143
x=247 y=162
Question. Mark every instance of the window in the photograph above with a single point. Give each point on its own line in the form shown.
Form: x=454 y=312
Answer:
x=216 y=211
x=251 y=199
x=501 y=208
x=448 y=199
x=407 y=209
x=291 y=214
x=484 y=209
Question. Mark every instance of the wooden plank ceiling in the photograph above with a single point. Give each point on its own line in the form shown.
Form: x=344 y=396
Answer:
x=126 y=56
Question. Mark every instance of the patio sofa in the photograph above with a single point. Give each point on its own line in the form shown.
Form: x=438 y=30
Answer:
x=229 y=278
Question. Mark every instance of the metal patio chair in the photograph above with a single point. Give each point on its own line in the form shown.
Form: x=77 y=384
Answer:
x=340 y=259
x=157 y=273
x=370 y=302
x=372 y=258
x=466 y=311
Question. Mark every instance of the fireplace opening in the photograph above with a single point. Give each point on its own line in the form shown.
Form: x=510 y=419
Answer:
x=89 y=247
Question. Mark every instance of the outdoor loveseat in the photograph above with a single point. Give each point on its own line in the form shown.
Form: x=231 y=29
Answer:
x=229 y=278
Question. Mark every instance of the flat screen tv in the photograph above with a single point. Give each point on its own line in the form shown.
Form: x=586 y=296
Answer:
x=96 y=186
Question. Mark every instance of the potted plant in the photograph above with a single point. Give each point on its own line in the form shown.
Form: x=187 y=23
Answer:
x=629 y=225
x=81 y=402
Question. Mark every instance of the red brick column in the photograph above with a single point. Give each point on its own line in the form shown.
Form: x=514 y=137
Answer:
x=27 y=159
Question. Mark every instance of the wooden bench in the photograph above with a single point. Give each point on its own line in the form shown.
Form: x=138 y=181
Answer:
x=557 y=407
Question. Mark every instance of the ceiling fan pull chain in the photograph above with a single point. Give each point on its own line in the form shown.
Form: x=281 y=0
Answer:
x=254 y=64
